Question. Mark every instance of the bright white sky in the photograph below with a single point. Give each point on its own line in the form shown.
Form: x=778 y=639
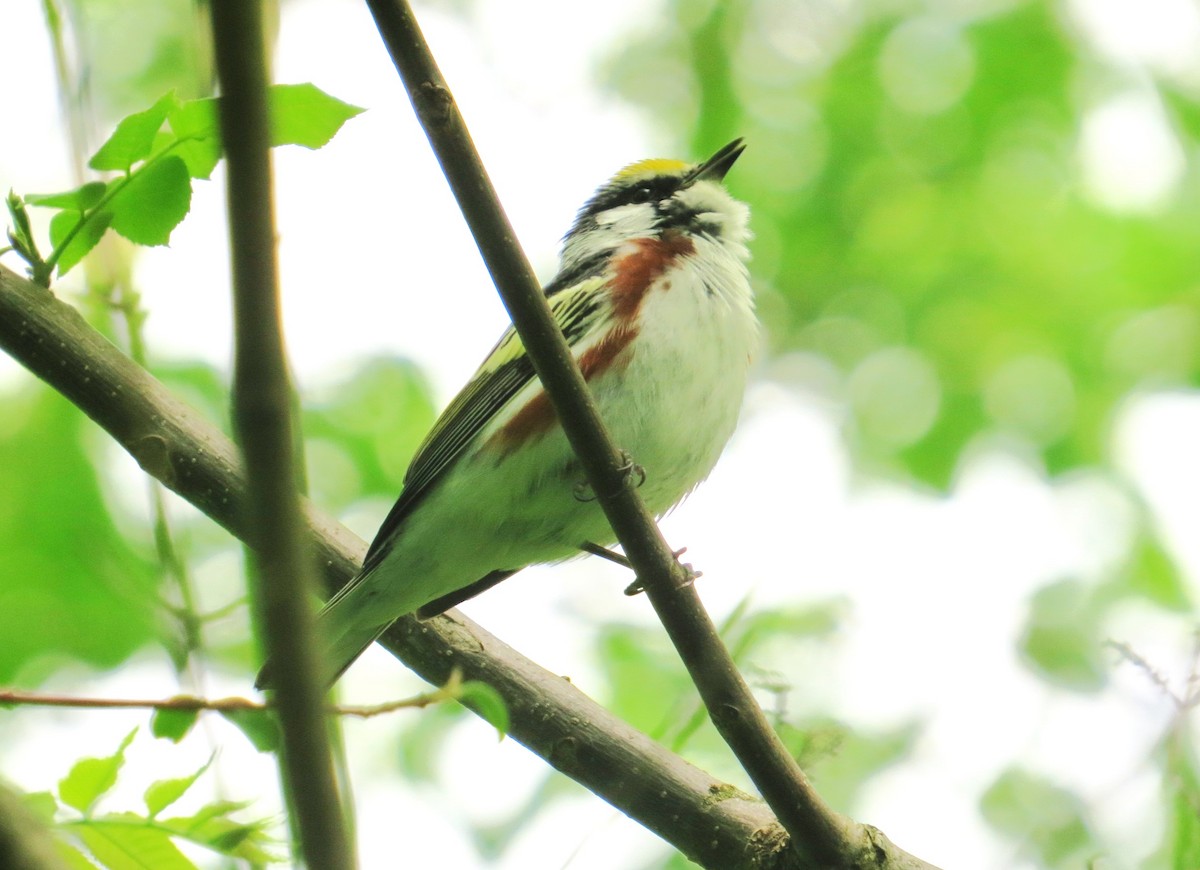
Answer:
x=376 y=260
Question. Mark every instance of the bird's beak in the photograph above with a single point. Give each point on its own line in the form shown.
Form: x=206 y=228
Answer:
x=715 y=167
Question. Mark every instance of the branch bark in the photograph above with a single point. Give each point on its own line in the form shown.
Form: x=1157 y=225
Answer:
x=262 y=390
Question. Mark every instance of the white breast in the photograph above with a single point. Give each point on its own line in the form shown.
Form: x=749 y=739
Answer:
x=677 y=402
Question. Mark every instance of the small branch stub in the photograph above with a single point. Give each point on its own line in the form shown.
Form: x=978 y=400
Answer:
x=434 y=104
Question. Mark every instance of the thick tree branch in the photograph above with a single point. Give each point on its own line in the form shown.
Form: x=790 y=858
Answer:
x=703 y=817
x=262 y=389
x=819 y=835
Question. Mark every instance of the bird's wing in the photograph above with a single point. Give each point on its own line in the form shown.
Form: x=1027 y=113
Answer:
x=505 y=372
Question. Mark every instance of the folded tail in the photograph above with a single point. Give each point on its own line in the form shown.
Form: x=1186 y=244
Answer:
x=346 y=634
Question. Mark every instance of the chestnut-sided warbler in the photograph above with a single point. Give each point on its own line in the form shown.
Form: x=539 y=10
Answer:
x=654 y=299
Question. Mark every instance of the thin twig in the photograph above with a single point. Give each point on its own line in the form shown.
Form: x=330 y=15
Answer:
x=233 y=704
x=262 y=414
x=1152 y=673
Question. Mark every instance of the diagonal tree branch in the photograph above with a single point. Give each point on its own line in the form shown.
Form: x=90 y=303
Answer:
x=285 y=580
x=704 y=818
x=817 y=833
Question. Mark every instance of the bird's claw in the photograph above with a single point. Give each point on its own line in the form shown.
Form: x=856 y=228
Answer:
x=582 y=491
x=629 y=468
x=690 y=575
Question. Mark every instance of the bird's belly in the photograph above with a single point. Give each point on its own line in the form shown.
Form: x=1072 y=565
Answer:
x=671 y=402
x=677 y=403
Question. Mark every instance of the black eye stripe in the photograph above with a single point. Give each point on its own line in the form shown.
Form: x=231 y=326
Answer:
x=647 y=190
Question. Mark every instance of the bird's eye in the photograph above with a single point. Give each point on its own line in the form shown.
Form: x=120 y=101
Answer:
x=643 y=193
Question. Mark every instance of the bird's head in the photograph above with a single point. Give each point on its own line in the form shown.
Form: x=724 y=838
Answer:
x=654 y=196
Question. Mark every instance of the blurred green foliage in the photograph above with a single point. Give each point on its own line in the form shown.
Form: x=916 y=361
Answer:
x=72 y=584
x=1181 y=840
x=93 y=589
x=934 y=244
x=116 y=68
x=1047 y=822
x=91 y=837
x=926 y=238
x=361 y=432
x=922 y=225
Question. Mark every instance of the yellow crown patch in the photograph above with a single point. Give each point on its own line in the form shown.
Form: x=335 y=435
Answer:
x=652 y=166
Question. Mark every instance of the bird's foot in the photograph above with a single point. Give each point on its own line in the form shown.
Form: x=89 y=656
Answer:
x=631 y=469
x=582 y=491
x=690 y=575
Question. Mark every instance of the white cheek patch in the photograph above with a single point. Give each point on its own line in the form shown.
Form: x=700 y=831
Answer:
x=628 y=220
x=713 y=204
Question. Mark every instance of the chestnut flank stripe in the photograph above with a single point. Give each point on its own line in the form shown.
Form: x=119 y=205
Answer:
x=633 y=276
x=637 y=271
x=538 y=416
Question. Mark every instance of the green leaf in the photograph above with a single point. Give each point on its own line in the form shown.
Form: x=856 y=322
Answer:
x=1034 y=812
x=119 y=843
x=422 y=741
x=487 y=702
x=300 y=115
x=188 y=826
x=212 y=826
x=1062 y=636
x=80 y=199
x=306 y=115
x=232 y=840
x=65 y=566
x=73 y=857
x=195 y=119
x=173 y=725
x=134 y=137
x=92 y=777
x=91 y=231
x=1180 y=846
x=21 y=234
x=841 y=761
x=164 y=792
x=1154 y=575
x=376 y=418
x=42 y=804
x=153 y=202
x=1181 y=107
x=195 y=125
x=748 y=633
x=648 y=686
x=258 y=725
x=1184 y=823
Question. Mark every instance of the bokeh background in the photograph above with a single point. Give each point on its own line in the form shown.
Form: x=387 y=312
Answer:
x=954 y=541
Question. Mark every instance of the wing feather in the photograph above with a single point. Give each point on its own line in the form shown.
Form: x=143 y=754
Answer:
x=502 y=376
